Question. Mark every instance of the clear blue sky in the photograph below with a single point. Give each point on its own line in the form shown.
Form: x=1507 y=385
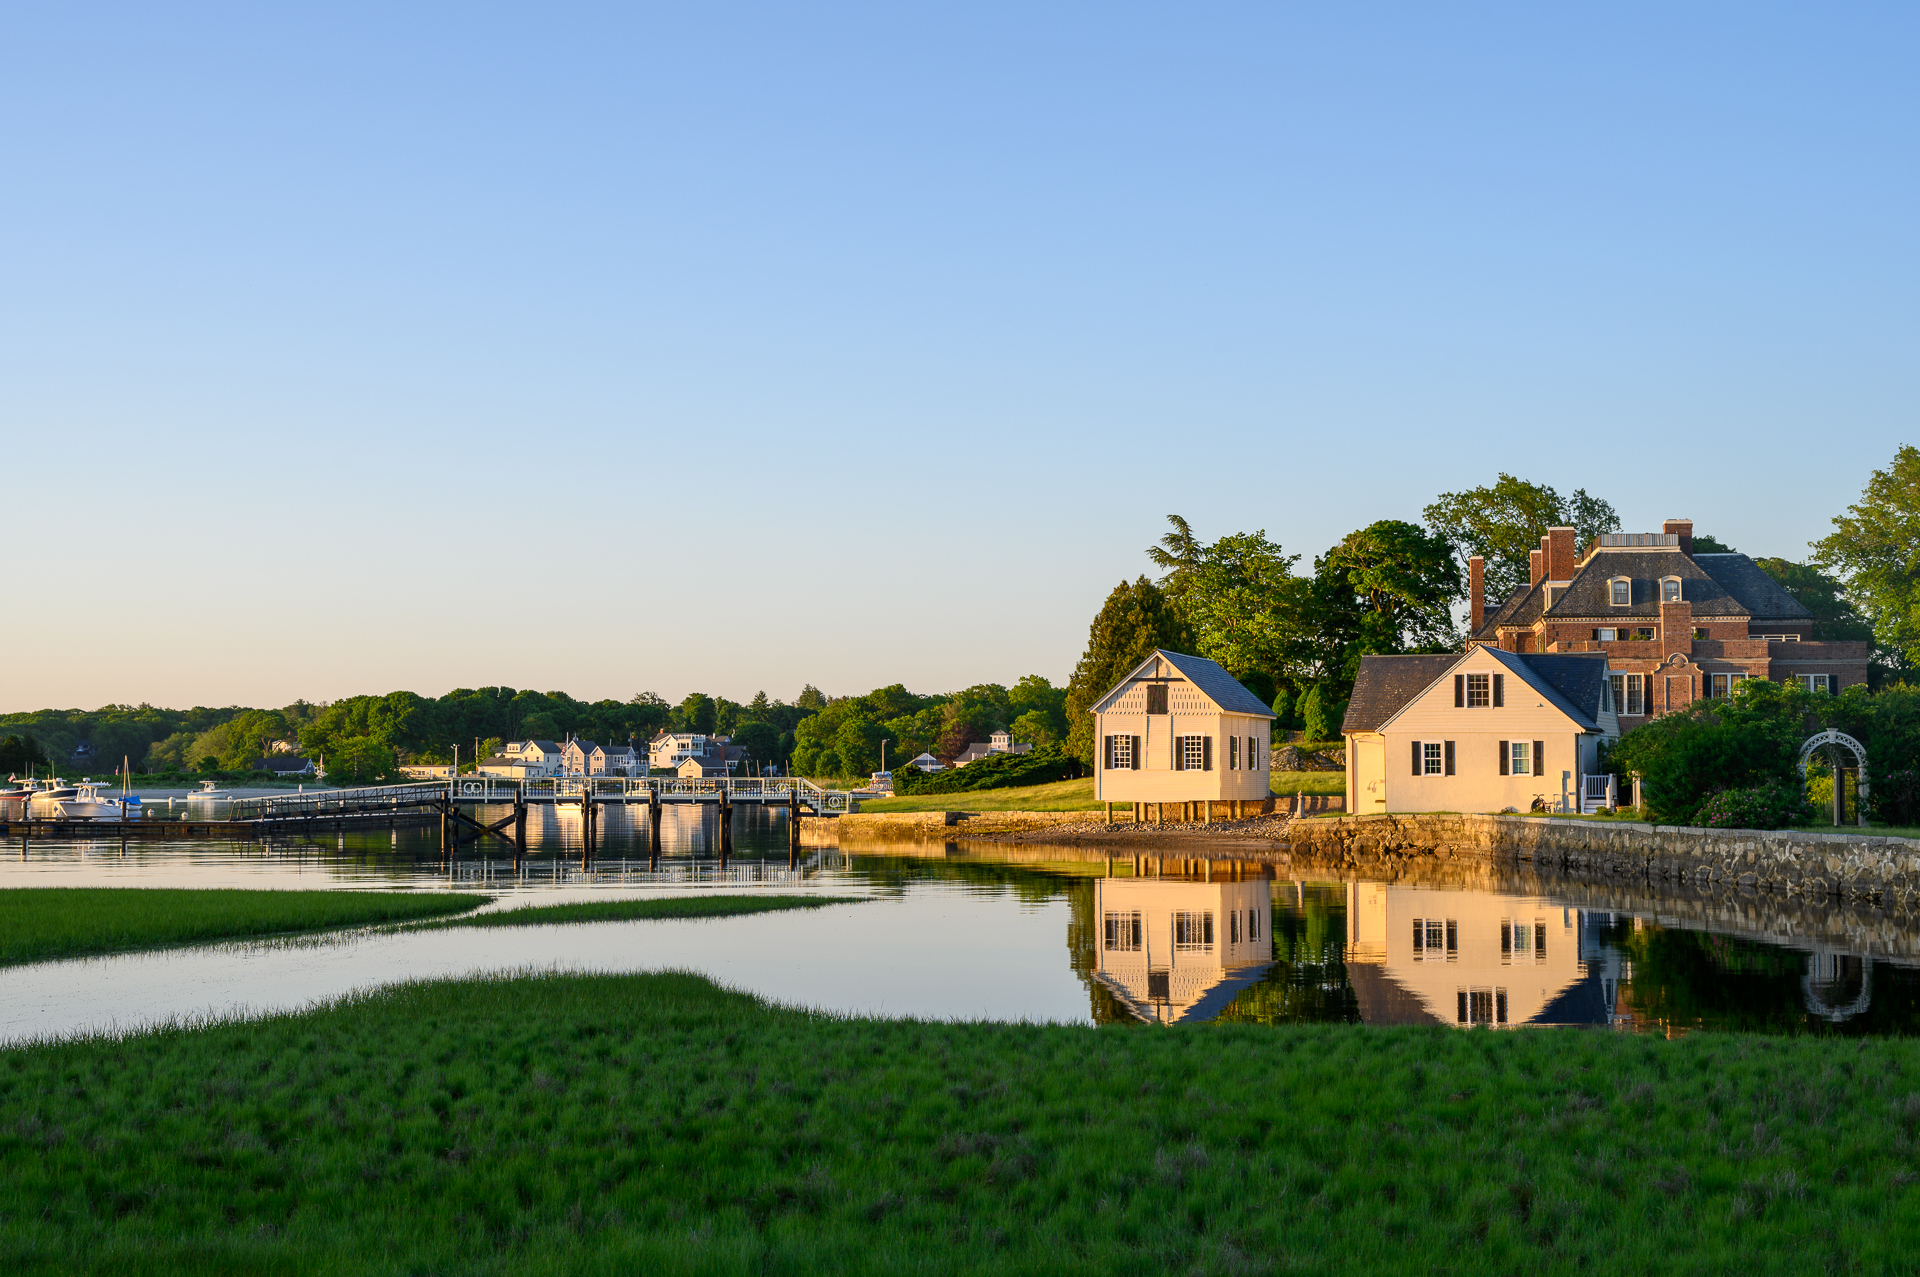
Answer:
x=741 y=347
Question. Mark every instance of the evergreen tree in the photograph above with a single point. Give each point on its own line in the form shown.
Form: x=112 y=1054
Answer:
x=811 y=698
x=1135 y=620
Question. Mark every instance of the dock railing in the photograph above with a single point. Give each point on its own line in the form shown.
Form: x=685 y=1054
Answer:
x=498 y=789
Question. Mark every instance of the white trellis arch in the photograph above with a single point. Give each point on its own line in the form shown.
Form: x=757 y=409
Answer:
x=1827 y=740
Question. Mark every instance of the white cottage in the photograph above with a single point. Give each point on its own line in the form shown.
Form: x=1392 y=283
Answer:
x=1180 y=729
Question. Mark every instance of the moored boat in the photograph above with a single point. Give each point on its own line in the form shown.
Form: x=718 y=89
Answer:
x=207 y=791
x=89 y=804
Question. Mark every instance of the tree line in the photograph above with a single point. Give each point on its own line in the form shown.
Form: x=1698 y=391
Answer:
x=1296 y=638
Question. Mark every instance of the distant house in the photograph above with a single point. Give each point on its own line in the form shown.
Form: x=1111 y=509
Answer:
x=82 y=752
x=508 y=767
x=926 y=763
x=614 y=760
x=427 y=771
x=1179 y=728
x=670 y=751
x=998 y=743
x=539 y=757
x=285 y=765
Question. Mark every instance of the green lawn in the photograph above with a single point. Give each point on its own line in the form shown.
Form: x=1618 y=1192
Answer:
x=1309 y=782
x=37 y=923
x=1061 y=795
x=639 y=910
x=626 y=1124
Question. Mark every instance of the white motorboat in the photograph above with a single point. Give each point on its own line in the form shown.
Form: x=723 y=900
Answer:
x=208 y=792
x=89 y=804
x=47 y=796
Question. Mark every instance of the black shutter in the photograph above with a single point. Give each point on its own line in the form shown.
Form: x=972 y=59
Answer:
x=1503 y=758
x=1499 y=690
x=1449 y=758
x=1416 y=758
x=1179 y=763
x=1206 y=753
x=1106 y=748
x=1539 y=758
x=1459 y=691
x=1137 y=759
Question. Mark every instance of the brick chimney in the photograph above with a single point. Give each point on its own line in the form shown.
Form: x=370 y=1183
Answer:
x=1676 y=629
x=1560 y=554
x=1476 y=593
x=1536 y=566
x=1682 y=528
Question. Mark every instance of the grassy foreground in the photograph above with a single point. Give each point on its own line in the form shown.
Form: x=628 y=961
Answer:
x=39 y=923
x=619 y=1124
x=1060 y=795
x=639 y=910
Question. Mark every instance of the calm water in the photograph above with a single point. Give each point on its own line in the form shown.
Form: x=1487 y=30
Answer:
x=1005 y=933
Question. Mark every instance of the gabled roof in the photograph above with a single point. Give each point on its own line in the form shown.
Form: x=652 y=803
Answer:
x=1210 y=677
x=1568 y=681
x=1387 y=683
x=544 y=746
x=1747 y=581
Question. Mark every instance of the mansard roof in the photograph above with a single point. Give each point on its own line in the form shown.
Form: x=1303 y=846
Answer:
x=1587 y=595
x=1747 y=581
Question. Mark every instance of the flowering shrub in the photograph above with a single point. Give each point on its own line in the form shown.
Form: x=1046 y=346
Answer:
x=1774 y=805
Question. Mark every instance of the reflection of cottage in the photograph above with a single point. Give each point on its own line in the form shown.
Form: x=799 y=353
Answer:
x=1485 y=731
x=1421 y=956
x=1173 y=951
x=998 y=743
x=1180 y=729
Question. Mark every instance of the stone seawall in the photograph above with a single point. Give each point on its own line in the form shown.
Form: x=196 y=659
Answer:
x=1851 y=866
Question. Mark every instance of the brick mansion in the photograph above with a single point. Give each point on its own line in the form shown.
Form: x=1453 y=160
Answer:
x=1674 y=625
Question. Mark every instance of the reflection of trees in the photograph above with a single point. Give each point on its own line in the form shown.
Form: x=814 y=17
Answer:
x=1308 y=983
x=1690 y=979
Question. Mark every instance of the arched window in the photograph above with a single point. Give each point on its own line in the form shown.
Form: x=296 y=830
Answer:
x=1620 y=591
x=1669 y=589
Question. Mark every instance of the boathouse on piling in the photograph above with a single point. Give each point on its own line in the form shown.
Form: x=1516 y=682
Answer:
x=1180 y=729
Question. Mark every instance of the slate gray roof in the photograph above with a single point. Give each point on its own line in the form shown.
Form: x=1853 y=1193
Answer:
x=545 y=746
x=1221 y=687
x=1385 y=683
x=1741 y=577
x=1522 y=607
x=1587 y=594
x=1569 y=681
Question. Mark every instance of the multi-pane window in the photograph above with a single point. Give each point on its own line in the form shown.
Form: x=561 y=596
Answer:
x=1436 y=939
x=1723 y=684
x=1233 y=927
x=1254 y=753
x=1253 y=924
x=1816 y=682
x=1479 y=691
x=1670 y=590
x=1193 y=752
x=1481 y=1006
x=1124 y=932
x=1120 y=750
x=1521 y=941
x=1621 y=591
x=1193 y=931
x=1432 y=758
x=1604 y=635
x=1629 y=693
x=1233 y=753
x=1521 y=757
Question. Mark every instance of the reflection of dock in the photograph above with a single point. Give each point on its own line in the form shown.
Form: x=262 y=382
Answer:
x=1173 y=951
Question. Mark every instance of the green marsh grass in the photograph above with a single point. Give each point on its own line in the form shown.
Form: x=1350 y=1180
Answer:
x=39 y=923
x=1059 y=795
x=658 y=1124
x=638 y=910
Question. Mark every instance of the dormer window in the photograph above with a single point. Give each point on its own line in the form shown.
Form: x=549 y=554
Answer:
x=1620 y=591
x=1670 y=589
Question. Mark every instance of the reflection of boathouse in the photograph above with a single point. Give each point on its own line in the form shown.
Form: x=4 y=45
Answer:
x=1172 y=951
x=1420 y=956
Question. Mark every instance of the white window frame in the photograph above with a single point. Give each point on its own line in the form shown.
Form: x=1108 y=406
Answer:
x=1433 y=758
x=1614 y=585
x=1606 y=634
x=1193 y=752
x=1233 y=753
x=1480 y=696
x=1520 y=758
x=1721 y=686
x=1193 y=932
x=1806 y=682
x=1679 y=595
x=1123 y=932
x=1122 y=753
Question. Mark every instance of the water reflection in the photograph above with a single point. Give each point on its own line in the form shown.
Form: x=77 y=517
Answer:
x=975 y=930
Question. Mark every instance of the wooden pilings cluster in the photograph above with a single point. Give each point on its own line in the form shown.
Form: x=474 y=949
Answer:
x=1199 y=811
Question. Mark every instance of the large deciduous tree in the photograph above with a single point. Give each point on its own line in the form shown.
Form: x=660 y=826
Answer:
x=1136 y=618
x=1238 y=596
x=1874 y=549
x=1834 y=615
x=1504 y=520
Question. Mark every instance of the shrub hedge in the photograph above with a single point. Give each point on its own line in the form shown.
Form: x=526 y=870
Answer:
x=1045 y=764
